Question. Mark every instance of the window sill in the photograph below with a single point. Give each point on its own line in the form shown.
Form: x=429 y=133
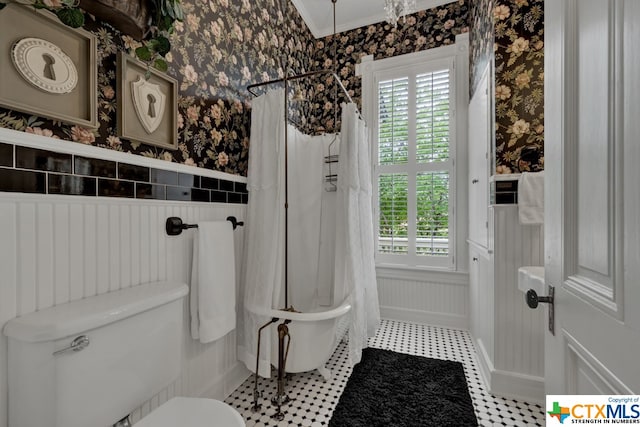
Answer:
x=421 y=274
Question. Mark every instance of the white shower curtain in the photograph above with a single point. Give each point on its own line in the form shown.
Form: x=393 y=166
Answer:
x=264 y=232
x=263 y=279
x=263 y=273
x=305 y=206
x=355 y=265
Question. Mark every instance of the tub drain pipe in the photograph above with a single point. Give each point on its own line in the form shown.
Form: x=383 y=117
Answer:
x=256 y=393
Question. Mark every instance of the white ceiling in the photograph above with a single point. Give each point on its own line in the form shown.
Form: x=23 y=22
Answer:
x=350 y=14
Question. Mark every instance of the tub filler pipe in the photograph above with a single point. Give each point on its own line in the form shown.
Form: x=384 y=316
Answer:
x=281 y=398
x=257 y=394
x=287 y=319
x=283 y=352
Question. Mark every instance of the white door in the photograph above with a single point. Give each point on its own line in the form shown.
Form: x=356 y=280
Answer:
x=592 y=191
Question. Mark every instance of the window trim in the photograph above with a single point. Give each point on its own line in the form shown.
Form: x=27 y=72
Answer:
x=374 y=71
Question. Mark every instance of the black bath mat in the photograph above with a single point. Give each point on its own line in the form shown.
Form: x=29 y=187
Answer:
x=389 y=389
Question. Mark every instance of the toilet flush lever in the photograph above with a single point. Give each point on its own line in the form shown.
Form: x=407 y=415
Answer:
x=78 y=344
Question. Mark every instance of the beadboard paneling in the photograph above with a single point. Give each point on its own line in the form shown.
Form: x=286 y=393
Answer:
x=519 y=330
x=55 y=249
x=509 y=335
x=425 y=301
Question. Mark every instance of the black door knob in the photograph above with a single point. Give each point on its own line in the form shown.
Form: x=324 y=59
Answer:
x=533 y=299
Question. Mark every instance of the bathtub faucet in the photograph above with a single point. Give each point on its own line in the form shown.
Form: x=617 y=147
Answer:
x=257 y=394
x=281 y=398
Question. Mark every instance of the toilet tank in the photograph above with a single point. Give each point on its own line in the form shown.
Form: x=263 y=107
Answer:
x=134 y=351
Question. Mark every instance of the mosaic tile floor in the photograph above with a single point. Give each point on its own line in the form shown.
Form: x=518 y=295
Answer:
x=314 y=399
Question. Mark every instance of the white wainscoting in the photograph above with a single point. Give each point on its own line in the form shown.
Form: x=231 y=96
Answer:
x=509 y=335
x=519 y=329
x=55 y=249
x=426 y=297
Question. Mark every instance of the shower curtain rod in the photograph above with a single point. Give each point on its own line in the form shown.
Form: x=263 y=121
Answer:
x=301 y=76
x=286 y=81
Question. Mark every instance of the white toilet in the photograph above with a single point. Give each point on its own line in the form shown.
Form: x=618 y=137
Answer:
x=92 y=362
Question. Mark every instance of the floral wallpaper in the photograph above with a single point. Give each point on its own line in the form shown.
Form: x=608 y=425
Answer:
x=519 y=85
x=423 y=30
x=480 y=41
x=221 y=47
x=224 y=45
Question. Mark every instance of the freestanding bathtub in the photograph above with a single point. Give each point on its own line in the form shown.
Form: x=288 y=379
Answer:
x=314 y=337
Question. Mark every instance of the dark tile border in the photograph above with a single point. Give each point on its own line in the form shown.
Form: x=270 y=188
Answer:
x=71 y=185
x=6 y=155
x=22 y=181
x=94 y=167
x=44 y=160
x=150 y=191
x=161 y=176
x=33 y=170
x=116 y=188
x=219 y=196
x=133 y=172
x=227 y=186
x=234 y=198
x=210 y=183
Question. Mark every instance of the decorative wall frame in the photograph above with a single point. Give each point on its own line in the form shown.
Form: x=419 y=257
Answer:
x=147 y=108
x=47 y=68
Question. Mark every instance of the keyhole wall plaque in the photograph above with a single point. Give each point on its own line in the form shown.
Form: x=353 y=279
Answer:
x=44 y=65
x=152 y=105
x=149 y=102
x=49 y=72
x=148 y=112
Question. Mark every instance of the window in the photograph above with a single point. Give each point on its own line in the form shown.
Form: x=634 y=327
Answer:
x=412 y=105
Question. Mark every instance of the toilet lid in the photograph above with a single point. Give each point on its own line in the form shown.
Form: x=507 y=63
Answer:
x=192 y=412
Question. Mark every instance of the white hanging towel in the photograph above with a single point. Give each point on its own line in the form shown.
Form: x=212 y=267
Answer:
x=213 y=282
x=531 y=198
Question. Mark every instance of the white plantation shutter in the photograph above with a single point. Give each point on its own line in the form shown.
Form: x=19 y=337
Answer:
x=432 y=116
x=392 y=231
x=414 y=167
x=432 y=194
x=393 y=119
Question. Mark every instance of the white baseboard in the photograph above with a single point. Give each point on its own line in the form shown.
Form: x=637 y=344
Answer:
x=425 y=317
x=484 y=362
x=511 y=385
x=518 y=386
x=235 y=377
x=227 y=383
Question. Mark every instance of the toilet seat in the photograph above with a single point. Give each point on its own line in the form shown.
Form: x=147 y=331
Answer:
x=192 y=412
